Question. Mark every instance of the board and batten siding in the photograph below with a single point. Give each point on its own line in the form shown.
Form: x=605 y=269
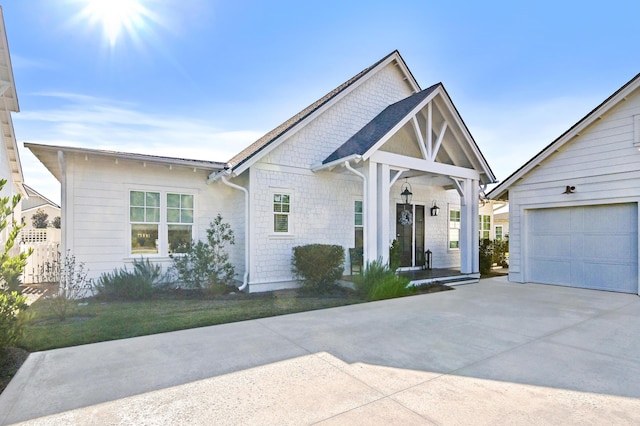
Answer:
x=601 y=162
x=97 y=223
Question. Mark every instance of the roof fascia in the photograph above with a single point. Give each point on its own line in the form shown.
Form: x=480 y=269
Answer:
x=499 y=192
x=13 y=101
x=205 y=165
x=395 y=56
x=467 y=134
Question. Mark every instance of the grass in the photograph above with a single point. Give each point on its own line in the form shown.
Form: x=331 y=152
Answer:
x=100 y=321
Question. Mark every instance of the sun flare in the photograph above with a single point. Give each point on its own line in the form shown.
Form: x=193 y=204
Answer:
x=115 y=16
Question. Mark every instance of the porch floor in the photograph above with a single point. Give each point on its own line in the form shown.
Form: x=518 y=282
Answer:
x=436 y=275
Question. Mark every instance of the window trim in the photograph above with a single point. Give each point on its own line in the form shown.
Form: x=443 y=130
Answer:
x=449 y=228
x=163 y=224
x=273 y=213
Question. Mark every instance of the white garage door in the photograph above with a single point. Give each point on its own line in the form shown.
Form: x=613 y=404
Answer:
x=590 y=247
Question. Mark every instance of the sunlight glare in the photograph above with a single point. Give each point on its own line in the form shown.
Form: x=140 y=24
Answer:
x=114 y=15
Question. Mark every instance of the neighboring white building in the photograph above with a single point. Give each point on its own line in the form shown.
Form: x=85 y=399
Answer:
x=573 y=208
x=10 y=168
x=331 y=174
x=30 y=206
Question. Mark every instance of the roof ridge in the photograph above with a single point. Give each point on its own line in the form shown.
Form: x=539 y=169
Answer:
x=287 y=125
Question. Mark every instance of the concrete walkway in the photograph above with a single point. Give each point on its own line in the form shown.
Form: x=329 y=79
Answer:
x=488 y=353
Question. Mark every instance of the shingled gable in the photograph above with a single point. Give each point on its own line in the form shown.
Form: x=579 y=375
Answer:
x=501 y=192
x=377 y=128
x=376 y=132
x=253 y=152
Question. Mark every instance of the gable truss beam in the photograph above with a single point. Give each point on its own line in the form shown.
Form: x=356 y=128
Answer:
x=412 y=163
x=424 y=149
x=439 y=140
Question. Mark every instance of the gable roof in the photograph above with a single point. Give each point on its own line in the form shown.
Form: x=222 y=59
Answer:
x=377 y=128
x=32 y=193
x=242 y=160
x=377 y=131
x=501 y=192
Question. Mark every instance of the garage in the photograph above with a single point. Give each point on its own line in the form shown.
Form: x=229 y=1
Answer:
x=592 y=247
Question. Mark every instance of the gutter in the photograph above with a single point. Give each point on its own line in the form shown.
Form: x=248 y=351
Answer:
x=222 y=176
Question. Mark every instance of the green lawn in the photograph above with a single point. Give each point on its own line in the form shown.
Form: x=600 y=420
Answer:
x=100 y=321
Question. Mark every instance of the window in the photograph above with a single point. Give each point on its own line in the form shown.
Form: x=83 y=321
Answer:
x=179 y=222
x=160 y=223
x=485 y=227
x=144 y=214
x=454 y=229
x=358 y=225
x=499 y=234
x=281 y=211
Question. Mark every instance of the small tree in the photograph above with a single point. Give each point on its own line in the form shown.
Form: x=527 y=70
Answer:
x=56 y=222
x=71 y=277
x=11 y=267
x=205 y=264
x=39 y=220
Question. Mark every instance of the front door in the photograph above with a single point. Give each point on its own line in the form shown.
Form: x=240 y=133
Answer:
x=410 y=234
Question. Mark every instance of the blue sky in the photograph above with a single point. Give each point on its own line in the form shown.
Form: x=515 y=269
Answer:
x=204 y=78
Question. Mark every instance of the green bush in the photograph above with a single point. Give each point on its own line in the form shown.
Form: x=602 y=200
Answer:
x=122 y=284
x=12 y=318
x=500 y=252
x=11 y=267
x=486 y=256
x=394 y=255
x=318 y=266
x=205 y=264
x=379 y=282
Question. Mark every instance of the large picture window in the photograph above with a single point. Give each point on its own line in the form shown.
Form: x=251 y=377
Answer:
x=281 y=212
x=454 y=228
x=161 y=223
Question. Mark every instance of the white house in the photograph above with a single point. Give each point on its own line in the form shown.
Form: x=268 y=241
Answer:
x=332 y=174
x=573 y=208
x=30 y=206
x=10 y=168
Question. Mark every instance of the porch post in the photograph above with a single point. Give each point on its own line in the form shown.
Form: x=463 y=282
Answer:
x=371 y=211
x=384 y=187
x=469 y=242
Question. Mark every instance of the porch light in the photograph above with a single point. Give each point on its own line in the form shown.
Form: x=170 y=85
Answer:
x=406 y=193
x=435 y=209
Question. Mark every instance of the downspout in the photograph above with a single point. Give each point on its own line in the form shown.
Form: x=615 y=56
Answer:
x=365 y=212
x=245 y=279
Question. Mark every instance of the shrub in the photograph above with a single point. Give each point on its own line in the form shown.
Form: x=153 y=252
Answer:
x=378 y=282
x=39 y=219
x=205 y=264
x=318 y=266
x=71 y=278
x=56 y=222
x=122 y=284
x=394 y=255
x=12 y=318
x=500 y=252
x=11 y=267
x=486 y=256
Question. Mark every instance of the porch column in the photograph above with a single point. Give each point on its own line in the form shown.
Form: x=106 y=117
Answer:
x=371 y=211
x=469 y=240
x=384 y=187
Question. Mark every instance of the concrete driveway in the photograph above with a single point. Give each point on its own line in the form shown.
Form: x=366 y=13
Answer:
x=488 y=353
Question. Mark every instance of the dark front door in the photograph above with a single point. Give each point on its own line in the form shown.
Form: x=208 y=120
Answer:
x=405 y=234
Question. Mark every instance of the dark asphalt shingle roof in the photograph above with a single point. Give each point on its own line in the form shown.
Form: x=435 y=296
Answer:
x=274 y=134
x=373 y=131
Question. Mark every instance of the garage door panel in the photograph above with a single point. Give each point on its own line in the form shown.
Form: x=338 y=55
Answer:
x=614 y=277
x=618 y=247
x=588 y=246
x=551 y=245
x=554 y=271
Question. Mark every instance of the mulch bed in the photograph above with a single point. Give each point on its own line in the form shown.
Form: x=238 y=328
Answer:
x=10 y=361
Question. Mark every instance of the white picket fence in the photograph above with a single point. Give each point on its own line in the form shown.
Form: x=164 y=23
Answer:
x=45 y=255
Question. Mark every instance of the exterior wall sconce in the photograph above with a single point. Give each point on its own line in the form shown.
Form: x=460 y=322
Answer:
x=570 y=189
x=435 y=209
x=406 y=193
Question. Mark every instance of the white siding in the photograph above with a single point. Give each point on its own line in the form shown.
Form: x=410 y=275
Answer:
x=98 y=218
x=602 y=164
